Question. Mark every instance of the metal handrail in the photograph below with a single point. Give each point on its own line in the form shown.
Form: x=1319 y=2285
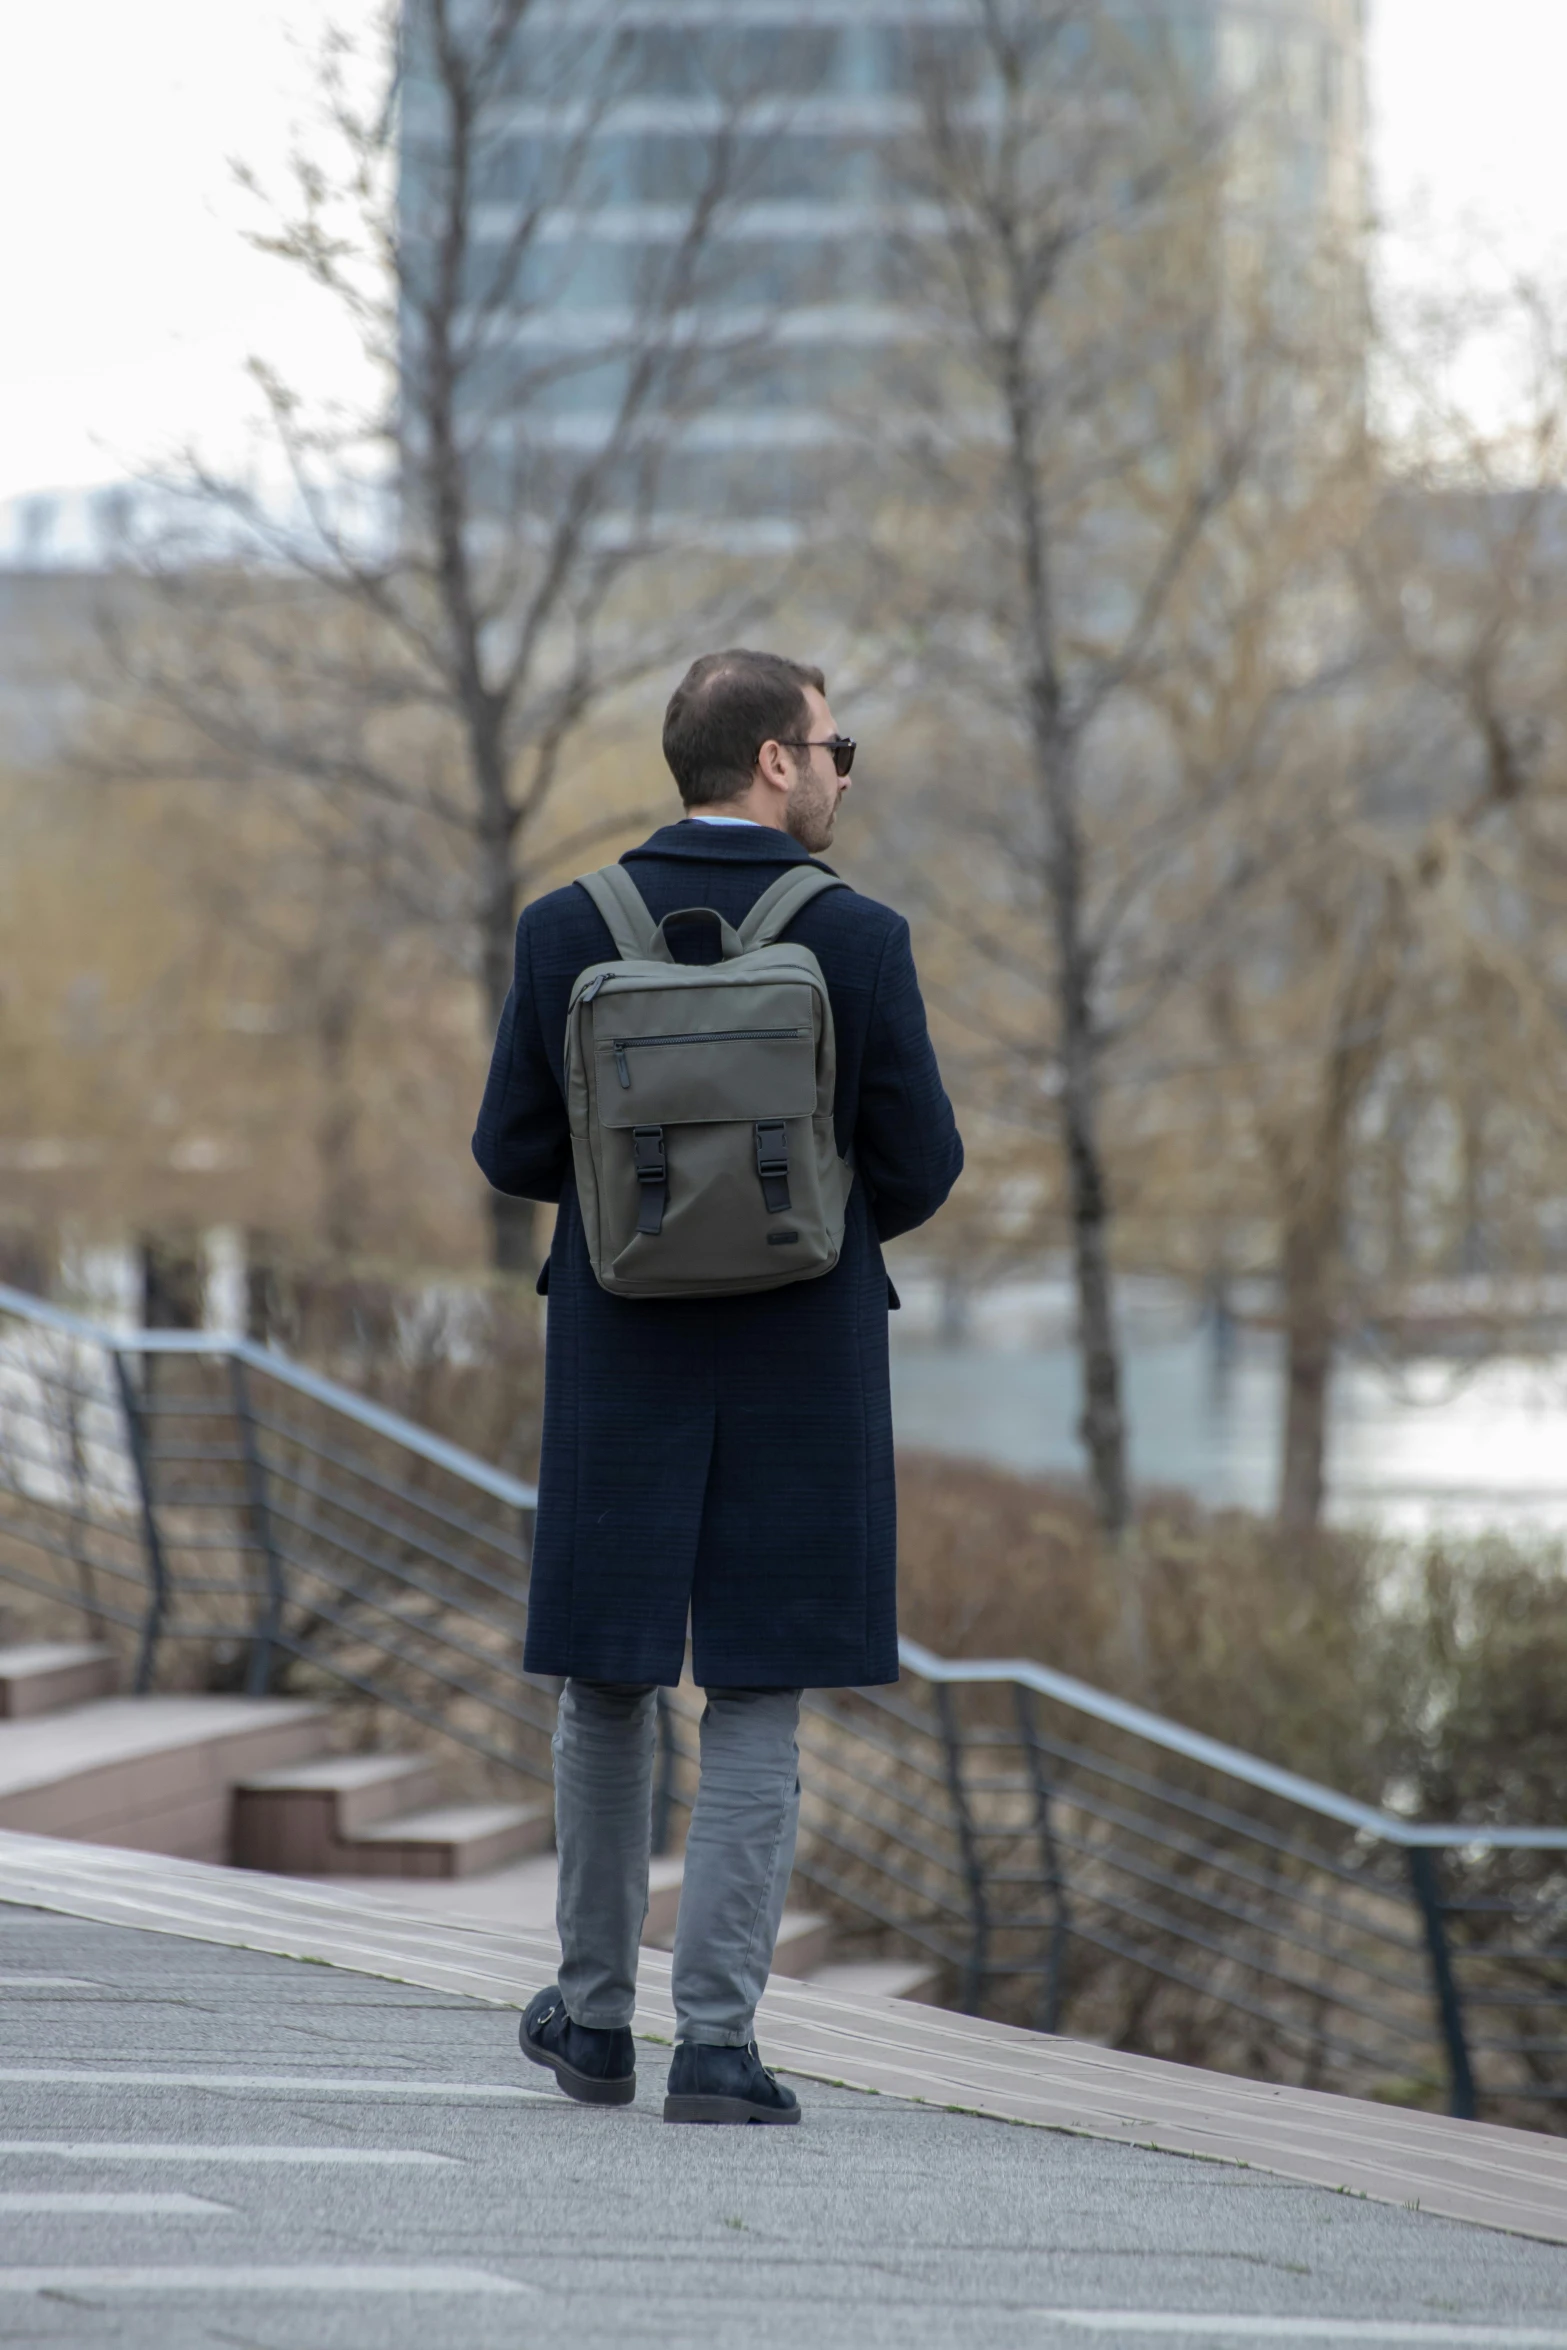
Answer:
x=1115 y=1712
x=351 y=1559
x=1266 y=1777
x=280 y=1537
x=288 y=1373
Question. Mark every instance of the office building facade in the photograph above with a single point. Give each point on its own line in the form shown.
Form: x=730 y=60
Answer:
x=624 y=113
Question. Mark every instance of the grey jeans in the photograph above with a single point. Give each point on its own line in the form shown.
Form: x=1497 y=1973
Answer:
x=739 y=1853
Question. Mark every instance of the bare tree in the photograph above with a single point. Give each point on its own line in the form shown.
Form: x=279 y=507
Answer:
x=1113 y=402
x=452 y=583
x=317 y=910
x=1389 y=1019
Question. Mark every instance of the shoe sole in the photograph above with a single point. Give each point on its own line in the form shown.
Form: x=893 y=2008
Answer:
x=724 y=2109
x=582 y=2086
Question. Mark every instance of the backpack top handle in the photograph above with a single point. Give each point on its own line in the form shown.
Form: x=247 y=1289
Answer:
x=638 y=938
x=729 y=938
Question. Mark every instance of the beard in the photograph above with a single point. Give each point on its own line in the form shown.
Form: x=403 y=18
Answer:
x=812 y=812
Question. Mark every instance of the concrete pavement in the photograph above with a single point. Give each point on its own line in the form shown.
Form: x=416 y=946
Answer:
x=314 y=2157
x=1496 y=2177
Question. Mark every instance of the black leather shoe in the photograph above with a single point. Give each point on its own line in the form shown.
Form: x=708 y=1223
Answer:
x=597 y=2068
x=725 y=2085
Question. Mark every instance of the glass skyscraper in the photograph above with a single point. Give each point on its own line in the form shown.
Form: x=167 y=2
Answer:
x=614 y=117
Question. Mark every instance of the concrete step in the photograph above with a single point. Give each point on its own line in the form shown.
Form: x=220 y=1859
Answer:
x=521 y=1895
x=804 y=1943
x=663 y=1902
x=41 y=1676
x=881 y=1978
x=452 y=1840
x=297 y=1821
x=376 y=1815
x=804 y=1940
x=154 y=1773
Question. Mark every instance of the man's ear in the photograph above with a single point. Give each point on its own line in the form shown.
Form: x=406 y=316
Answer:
x=772 y=765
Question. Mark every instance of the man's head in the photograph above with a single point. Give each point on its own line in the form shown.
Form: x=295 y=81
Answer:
x=749 y=734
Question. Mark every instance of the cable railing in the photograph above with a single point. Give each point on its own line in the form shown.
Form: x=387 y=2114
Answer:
x=1076 y=1864
x=1064 y=1859
x=237 y=1521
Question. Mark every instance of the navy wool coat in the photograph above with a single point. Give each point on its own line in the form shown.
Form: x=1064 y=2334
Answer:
x=729 y=1457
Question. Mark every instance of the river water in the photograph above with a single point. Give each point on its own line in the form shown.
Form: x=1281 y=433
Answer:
x=1423 y=1445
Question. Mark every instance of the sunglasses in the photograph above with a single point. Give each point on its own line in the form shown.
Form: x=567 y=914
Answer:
x=842 y=747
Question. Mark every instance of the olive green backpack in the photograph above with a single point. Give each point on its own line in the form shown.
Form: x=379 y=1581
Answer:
x=700 y=1097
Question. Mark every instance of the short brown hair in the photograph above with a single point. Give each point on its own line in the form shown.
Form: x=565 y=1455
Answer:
x=723 y=710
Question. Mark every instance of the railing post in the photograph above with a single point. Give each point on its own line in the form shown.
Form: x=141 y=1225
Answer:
x=87 y=1581
x=1425 y=1877
x=968 y=1845
x=269 y=1615
x=1050 y=1860
x=152 y=1541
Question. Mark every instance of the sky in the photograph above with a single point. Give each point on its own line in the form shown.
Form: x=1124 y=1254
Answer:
x=130 y=302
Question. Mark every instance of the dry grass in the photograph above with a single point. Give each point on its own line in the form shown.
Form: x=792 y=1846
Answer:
x=1432 y=1674
x=1429 y=1677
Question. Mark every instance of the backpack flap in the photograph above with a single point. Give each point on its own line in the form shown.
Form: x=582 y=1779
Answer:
x=698 y=1054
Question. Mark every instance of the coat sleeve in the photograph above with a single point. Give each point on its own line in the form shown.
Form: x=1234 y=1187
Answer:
x=523 y=1141
x=906 y=1145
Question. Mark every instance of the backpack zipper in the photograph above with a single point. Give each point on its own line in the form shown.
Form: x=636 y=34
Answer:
x=625 y=1044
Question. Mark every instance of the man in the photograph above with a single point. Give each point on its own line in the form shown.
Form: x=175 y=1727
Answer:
x=722 y=1460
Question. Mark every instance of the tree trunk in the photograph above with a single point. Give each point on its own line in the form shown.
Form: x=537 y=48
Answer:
x=1314 y=1227
x=1471 y=1242
x=1103 y=1423
x=337 y=1125
x=173 y=1281
x=30 y=1258
x=268 y=1292
x=1395 y=1190
x=1310 y=1252
x=482 y=709
x=1102 y=1427
x=1056 y=745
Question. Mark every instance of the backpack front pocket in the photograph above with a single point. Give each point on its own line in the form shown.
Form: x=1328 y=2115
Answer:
x=703 y=1076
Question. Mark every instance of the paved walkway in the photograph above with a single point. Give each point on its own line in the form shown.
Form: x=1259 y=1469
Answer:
x=205 y=2142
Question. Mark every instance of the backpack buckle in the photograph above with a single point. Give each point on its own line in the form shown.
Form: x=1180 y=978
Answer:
x=647 y=1150
x=772 y=1165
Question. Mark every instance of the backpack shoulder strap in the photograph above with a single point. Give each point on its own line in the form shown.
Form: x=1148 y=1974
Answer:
x=777 y=907
x=624 y=909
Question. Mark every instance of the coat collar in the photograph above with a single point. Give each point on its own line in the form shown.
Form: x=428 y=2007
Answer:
x=722 y=844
